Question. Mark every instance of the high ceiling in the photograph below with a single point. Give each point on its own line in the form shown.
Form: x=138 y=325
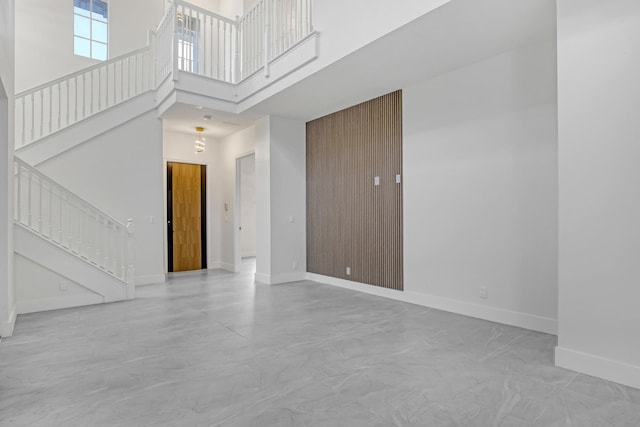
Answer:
x=185 y=118
x=458 y=33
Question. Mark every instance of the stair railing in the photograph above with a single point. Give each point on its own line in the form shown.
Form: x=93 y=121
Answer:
x=188 y=39
x=269 y=29
x=56 y=214
x=48 y=108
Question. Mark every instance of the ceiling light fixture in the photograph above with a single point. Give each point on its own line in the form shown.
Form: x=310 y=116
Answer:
x=200 y=141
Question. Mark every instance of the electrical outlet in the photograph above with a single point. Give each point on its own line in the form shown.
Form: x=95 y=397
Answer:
x=348 y=271
x=294 y=264
x=64 y=286
x=484 y=293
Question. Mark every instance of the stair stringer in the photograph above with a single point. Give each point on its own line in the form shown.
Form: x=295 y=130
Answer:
x=85 y=130
x=64 y=263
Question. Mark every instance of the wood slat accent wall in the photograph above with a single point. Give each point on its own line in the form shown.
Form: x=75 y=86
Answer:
x=350 y=221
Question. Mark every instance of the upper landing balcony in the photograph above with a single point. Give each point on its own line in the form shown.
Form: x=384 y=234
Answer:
x=193 y=56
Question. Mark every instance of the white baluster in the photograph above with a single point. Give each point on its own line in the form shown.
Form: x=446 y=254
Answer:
x=69 y=223
x=121 y=80
x=68 y=102
x=78 y=227
x=39 y=205
x=50 y=211
x=60 y=220
x=91 y=80
x=50 y=108
x=236 y=53
x=105 y=244
x=19 y=194
x=106 y=89
x=59 y=106
x=135 y=76
x=29 y=213
x=131 y=275
x=97 y=239
x=24 y=119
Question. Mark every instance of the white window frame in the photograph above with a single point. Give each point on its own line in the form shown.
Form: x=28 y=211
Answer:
x=91 y=39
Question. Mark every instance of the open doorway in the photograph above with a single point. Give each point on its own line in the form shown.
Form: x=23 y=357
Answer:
x=246 y=209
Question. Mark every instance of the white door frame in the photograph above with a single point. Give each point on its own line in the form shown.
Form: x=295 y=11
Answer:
x=237 y=214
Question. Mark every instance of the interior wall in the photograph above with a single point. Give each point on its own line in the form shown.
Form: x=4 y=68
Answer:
x=599 y=134
x=232 y=148
x=354 y=225
x=480 y=189
x=44 y=36
x=121 y=173
x=281 y=214
x=248 y=206
x=37 y=287
x=345 y=27
x=7 y=91
x=231 y=8
x=179 y=147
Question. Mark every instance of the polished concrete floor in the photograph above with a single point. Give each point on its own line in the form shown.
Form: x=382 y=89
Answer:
x=215 y=349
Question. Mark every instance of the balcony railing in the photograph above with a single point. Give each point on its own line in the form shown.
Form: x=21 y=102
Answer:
x=188 y=39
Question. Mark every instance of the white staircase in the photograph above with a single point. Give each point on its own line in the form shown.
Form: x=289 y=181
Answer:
x=59 y=231
x=193 y=53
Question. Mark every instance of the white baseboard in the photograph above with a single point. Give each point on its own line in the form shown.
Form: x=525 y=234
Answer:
x=611 y=370
x=493 y=314
x=262 y=278
x=56 y=303
x=229 y=267
x=6 y=326
x=151 y=279
x=278 y=279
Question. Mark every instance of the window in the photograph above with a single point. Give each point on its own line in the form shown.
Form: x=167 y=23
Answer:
x=188 y=40
x=90 y=35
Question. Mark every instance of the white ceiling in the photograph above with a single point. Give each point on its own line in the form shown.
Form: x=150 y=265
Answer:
x=457 y=34
x=185 y=118
x=460 y=32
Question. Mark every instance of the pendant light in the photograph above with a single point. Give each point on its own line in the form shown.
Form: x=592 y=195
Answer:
x=200 y=141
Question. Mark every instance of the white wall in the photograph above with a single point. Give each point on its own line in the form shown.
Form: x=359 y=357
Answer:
x=280 y=200
x=345 y=27
x=480 y=188
x=231 y=8
x=232 y=148
x=263 y=199
x=248 y=206
x=44 y=36
x=38 y=288
x=599 y=148
x=121 y=173
x=7 y=77
x=178 y=146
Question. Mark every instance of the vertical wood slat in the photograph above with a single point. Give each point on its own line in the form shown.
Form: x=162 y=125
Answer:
x=350 y=221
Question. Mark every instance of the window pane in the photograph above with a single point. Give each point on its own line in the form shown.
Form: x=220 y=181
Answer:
x=81 y=26
x=99 y=51
x=100 y=10
x=81 y=47
x=81 y=4
x=82 y=12
x=99 y=31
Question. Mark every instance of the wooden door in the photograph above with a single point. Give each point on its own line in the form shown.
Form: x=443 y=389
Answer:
x=186 y=209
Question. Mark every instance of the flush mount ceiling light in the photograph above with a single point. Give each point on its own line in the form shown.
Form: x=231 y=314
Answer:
x=200 y=141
